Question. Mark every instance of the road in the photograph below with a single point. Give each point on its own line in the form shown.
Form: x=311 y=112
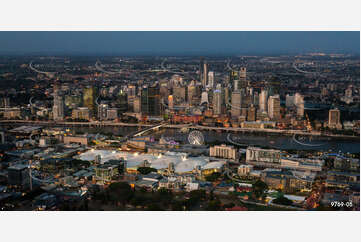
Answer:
x=177 y=126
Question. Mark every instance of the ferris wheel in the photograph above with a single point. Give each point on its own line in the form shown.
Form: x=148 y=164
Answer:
x=196 y=138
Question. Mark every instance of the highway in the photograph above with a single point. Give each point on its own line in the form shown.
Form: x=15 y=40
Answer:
x=302 y=71
x=177 y=126
x=38 y=71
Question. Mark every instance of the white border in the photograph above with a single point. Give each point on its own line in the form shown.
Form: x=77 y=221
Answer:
x=179 y=15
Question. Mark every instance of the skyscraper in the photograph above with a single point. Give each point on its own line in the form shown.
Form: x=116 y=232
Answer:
x=217 y=102
x=122 y=101
x=89 y=97
x=150 y=100
x=205 y=75
x=210 y=79
x=131 y=94
x=204 y=98
x=243 y=78
x=251 y=113
x=102 y=111
x=233 y=75
x=236 y=104
x=201 y=65
x=300 y=105
x=263 y=100
x=334 y=117
x=192 y=92
x=274 y=107
x=58 y=106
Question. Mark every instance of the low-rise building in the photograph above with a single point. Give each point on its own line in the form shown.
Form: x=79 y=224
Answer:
x=79 y=139
x=244 y=170
x=223 y=151
x=18 y=175
x=263 y=157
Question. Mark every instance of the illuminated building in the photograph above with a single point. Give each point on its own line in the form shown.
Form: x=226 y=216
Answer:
x=136 y=105
x=258 y=155
x=80 y=139
x=150 y=100
x=274 y=106
x=81 y=113
x=102 y=111
x=170 y=102
x=251 y=113
x=334 y=117
x=236 y=104
x=204 y=75
x=263 y=101
x=210 y=79
x=179 y=93
x=204 y=98
x=89 y=96
x=122 y=101
x=223 y=151
x=243 y=78
x=244 y=170
x=58 y=107
x=217 y=102
x=112 y=113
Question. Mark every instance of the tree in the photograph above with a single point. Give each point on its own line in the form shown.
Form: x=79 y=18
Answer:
x=146 y=170
x=213 y=177
x=120 y=192
x=259 y=187
x=214 y=205
x=283 y=201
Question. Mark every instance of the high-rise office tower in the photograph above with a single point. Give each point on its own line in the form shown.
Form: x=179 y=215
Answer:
x=263 y=101
x=131 y=94
x=58 y=105
x=236 y=85
x=251 y=113
x=89 y=97
x=256 y=99
x=233 y=75
x=243 y=78
x=226 y=95
x=300 y=105
x=122 y=101
x=273 y=86
x=290 y=100
x=210 y=79
x=217 y=102
x=137 y=105
x=204 y=98
x=334 y=118
x=150 y=100
x=192 y=92
x=236 y=104
x=179 y=93
x=274 y=107
x=201 y=65
x=102 y=111
x=205 y=75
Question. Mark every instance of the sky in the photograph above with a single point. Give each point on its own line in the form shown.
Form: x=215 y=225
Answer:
x=177 y=42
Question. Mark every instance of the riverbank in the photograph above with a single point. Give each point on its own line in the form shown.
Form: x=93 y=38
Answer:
x=178 y=126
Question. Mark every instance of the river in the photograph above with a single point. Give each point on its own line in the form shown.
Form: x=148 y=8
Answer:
x=274 y=141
